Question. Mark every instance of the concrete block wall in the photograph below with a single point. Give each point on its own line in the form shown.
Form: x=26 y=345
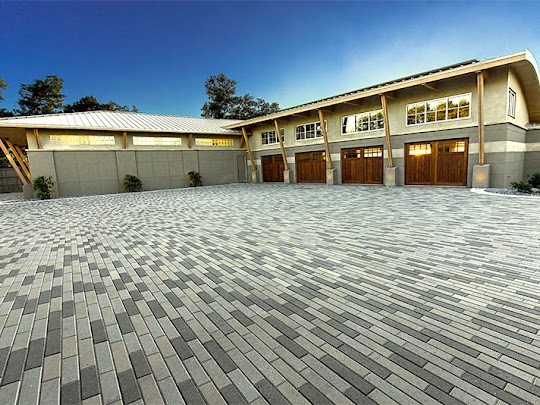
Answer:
x=9 y=181
x=102 y=171
x=532 y=156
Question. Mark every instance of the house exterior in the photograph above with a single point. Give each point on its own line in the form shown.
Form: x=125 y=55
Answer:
x=470 y=124
x=91 y=152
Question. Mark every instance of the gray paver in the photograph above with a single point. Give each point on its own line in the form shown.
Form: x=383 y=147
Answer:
x=272 y=293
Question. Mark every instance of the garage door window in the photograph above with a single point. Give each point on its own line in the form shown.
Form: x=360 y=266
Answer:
x=420 y=149
x=373 y=152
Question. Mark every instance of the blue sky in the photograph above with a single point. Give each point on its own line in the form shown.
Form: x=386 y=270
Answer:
x=158 y=55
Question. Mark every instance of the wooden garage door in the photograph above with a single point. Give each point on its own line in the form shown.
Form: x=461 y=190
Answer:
x=272 y=168
x=311 y=167
x=362 y=165
x=442 y=163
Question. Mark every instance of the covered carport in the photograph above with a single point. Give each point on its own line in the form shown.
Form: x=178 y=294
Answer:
x=14 y=166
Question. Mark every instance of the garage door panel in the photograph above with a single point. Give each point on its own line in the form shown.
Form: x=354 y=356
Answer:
x=362 y=165
x=436 y=163
x=311 y=167
x=273 y=167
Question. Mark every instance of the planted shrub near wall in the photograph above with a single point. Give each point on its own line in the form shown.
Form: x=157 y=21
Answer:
x=44 y=187
x=534 y=181
x=195 y=179
x=132 y=183
x=522 y=187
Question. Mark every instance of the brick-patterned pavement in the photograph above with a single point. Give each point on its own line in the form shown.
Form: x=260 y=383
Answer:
x=271 y=293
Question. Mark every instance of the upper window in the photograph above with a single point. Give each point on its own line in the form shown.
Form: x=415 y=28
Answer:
x=82 y=140
x=309 y=131
x=213 y=141
x=368 y=121
x=511 y=103
x=156 y=141
x=442 y=109
x=270 y=137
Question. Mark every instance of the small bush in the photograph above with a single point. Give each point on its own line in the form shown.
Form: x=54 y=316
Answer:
x=132 y=183
x=534 y=181
x=195 y=179
x=43 y=185
x=522 y=187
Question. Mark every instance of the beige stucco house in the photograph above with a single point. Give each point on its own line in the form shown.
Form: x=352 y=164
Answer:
x=470 y=124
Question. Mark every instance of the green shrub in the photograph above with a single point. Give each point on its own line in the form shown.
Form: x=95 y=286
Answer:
x=132 y=183
x=522 y=187
x=43 y=185
x=534 y=181
x=195 y=179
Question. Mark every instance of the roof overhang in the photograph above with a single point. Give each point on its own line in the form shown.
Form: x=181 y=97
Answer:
x=523 y=63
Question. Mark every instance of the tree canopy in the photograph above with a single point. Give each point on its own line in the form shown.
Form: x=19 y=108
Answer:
x=3 y=86
x=90 y=103
x=224 y=103
x=42 y=96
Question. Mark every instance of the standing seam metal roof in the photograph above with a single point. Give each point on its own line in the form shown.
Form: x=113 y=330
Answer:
x=124 y=121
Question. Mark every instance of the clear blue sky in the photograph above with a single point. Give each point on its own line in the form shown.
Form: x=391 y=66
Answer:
x=158 y=55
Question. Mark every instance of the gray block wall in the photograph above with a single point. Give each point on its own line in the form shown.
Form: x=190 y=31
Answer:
x=532 y=157
x=9 y=181
x=102 y=172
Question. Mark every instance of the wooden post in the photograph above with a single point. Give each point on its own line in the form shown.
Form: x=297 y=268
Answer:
x=124 y=140
x=278 y=133
x=190 y=141
x=387 y=131
x=36 y=135
x=19 y=159
x=244 y=132
x=325 y=137
x=22 y=154
x=480 y=85
x=242 y=142
x=12 y=162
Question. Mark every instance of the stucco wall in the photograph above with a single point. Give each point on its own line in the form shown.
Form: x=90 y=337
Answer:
x=86 y=172
x=521 y=118
x=532 y=156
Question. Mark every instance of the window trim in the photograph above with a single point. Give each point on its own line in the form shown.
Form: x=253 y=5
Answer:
x=282 y=130
x=309 y=123
x=178 y=140
x=435 y=99
x=360 y=113
x=512 y=94
x=229 y=140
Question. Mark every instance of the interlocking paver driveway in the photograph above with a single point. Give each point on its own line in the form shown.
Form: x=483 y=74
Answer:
x=271 y=293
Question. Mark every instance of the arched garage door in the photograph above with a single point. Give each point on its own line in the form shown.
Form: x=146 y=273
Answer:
x=362 y=165
x=442 y=163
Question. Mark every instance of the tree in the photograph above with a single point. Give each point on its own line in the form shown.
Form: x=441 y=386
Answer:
x=224 y=103
x=3 y=86
x=90 y=103
x=5 y=113
x=41 y=97
x=220 y=90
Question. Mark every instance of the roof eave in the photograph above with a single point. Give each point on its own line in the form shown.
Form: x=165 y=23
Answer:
x=459 y=71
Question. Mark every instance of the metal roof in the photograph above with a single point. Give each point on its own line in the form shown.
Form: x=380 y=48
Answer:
x=123 y=121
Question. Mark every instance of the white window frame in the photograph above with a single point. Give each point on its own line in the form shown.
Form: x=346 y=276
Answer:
x=512 y=100
x=446 y=111
x=82 y=140
x=273 y=134
x=368 y=113
x=305 y=130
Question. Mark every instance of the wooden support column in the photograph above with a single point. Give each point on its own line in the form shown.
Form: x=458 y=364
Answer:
x=387 y=131
x=124 y=140
x=12 y=162
x=242 y=142
x=244 y=132
x=278 y=133
x=325 y=137
x=19 y=159
x=190 y=141
x=480 y=84
x=36 y=135
x=22 y=154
